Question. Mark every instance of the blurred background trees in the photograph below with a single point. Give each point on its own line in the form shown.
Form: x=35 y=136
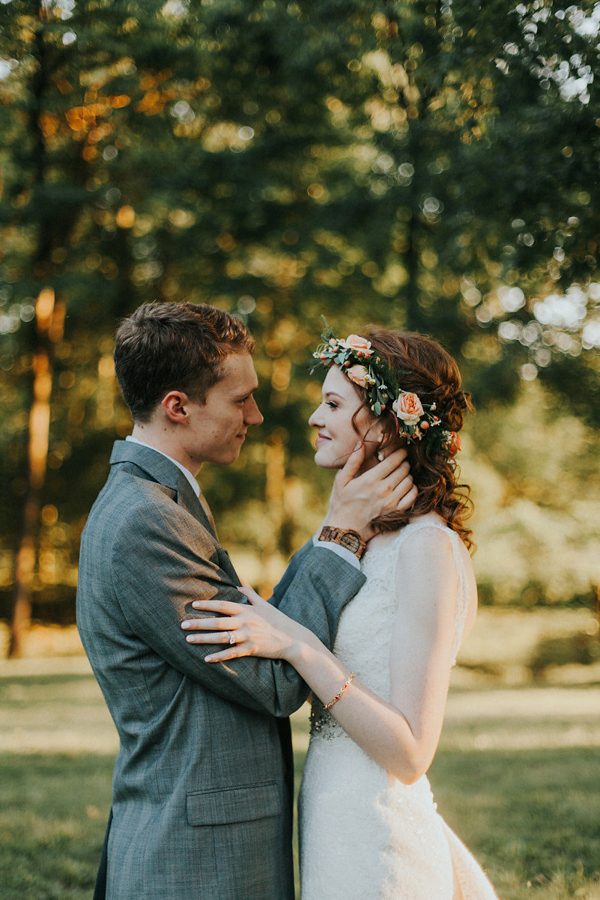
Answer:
x=429 y=165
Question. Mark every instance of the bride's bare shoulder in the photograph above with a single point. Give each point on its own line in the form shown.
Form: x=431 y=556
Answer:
x=437 y=553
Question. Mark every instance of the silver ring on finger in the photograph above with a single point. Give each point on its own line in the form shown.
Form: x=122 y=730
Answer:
x=232 y=640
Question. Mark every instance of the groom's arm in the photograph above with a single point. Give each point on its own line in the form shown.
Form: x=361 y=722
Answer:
x=280 y=589
x=317 y=560
x=296 y=560
x=158 y=571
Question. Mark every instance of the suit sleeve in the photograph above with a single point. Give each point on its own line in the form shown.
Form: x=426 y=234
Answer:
x=280 y=589
x=155 y=590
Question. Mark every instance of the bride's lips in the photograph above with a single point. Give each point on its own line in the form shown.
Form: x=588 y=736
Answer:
x=321 y=438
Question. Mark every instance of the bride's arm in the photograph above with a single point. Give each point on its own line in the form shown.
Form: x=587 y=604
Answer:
x=402 y=735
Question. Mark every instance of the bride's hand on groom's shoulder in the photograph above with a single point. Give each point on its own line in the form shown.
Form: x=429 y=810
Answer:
x=356 y=499
x=255 y=628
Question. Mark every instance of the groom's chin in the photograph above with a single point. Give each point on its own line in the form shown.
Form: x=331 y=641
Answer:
x=230 y=458
x=225 y=457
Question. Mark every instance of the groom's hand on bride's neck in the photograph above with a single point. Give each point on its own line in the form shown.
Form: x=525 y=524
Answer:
x=358 y=499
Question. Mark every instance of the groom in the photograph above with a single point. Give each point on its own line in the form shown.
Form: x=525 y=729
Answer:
x=202 y=789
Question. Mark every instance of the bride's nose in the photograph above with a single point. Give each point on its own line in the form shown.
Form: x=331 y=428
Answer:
x=316 y=419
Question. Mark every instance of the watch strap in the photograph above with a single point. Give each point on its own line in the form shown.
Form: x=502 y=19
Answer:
x=345 y=537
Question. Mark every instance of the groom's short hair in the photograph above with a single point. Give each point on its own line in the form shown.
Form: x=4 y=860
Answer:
x=163 y=347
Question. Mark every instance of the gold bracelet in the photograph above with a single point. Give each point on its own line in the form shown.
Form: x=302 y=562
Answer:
x=345 y=685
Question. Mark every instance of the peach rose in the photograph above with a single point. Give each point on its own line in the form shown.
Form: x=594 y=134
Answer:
x=454 y=444
x=360 y=345
x=359 y=375
x=408 y=407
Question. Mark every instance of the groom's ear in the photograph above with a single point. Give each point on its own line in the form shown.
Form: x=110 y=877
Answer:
x=174 y=406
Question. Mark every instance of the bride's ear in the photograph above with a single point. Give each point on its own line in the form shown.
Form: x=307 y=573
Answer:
x=375 y=438
x=383 y=438
x=379 y=432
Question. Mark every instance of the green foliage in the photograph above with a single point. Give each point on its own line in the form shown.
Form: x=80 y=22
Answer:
x=536 y=493
x=581 y=649
x=412 y=164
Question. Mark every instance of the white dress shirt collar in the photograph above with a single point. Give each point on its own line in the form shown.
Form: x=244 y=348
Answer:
x=194 y=484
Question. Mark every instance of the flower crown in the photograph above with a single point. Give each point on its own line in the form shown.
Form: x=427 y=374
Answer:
x=414 y=419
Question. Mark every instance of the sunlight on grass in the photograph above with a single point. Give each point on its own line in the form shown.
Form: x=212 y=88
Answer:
x=48 y=641
x=516 y=776
x=53 y=713
x=521 y=719
x=504 y=641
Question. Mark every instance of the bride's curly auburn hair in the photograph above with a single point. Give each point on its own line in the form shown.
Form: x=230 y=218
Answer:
x=422 y=366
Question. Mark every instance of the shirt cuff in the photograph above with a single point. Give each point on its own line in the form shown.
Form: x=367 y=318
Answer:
x=346 y=554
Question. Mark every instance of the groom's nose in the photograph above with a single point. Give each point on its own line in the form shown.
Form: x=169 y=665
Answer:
x=252 y=414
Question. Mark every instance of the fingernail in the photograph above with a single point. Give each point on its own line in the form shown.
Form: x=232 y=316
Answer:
x=185 y=624
x=196 y=604
x=208 y=658
x=189 y=638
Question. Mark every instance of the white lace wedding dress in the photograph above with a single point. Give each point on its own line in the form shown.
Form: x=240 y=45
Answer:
x=365 y=835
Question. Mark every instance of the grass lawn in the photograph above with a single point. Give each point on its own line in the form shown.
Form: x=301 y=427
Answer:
x=517 y=776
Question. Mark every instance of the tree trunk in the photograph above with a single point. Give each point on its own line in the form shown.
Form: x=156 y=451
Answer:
x=54 y=228
x=49 y=323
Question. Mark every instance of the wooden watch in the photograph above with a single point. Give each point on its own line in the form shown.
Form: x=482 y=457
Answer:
x=347 y=538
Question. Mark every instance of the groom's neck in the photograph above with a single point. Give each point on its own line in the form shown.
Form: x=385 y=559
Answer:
x=161 y=437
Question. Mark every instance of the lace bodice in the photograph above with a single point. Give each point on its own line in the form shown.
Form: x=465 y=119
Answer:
x=368 y=620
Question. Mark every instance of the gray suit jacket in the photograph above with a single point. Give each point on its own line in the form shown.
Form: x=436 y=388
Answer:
x=202 y=783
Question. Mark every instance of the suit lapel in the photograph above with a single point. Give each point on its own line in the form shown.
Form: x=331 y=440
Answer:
x=187 y=498
x=163 y=471
x=199 y=508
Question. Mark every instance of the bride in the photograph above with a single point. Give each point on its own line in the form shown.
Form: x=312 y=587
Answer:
x=369 y=828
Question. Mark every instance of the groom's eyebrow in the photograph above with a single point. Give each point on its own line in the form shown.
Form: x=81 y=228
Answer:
x=246 y=394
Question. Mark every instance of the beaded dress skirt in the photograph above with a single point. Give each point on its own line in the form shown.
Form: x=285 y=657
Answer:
x=363 y=834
